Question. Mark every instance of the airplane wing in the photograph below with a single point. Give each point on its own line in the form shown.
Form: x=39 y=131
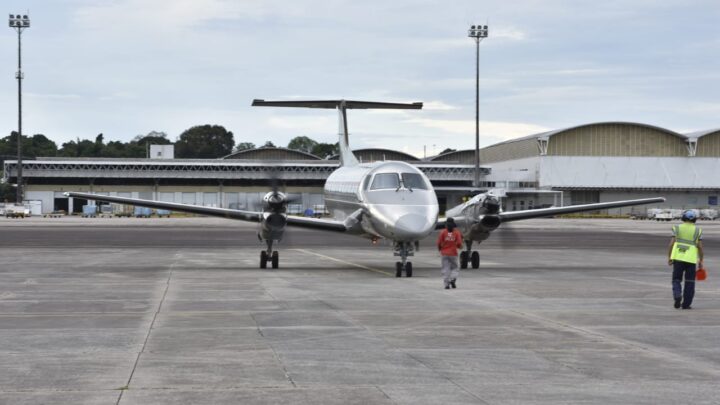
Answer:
x=548 y=212
x=251 y=216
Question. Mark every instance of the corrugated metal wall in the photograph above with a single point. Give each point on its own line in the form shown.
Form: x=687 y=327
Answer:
x=509 y=151
x=709 y=145
x=496 y=153
x=616 y=140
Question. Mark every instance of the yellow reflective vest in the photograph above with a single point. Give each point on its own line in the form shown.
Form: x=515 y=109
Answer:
x=687 y=236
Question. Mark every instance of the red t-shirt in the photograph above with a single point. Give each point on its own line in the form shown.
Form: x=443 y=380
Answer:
x=449 y=242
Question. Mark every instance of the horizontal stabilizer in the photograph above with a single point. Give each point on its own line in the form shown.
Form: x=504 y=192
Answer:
x=349 y=104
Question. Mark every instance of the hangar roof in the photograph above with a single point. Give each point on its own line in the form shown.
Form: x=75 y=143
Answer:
x=700 y=134
x=548 y=134
x=375 y=154
x=272 y=153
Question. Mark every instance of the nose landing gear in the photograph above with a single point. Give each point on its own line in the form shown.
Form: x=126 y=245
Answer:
x=269 y=256
x=471 y=256
x=404 y=249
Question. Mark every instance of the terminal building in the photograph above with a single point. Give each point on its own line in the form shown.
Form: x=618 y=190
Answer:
x=589 y=163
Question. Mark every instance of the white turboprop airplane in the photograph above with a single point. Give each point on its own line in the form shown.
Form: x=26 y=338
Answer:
x=381 y=200
x=482 y=214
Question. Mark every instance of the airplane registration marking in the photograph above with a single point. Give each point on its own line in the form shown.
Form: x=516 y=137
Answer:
x=310 y=252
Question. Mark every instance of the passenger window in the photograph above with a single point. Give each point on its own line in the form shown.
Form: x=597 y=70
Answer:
x=385 y=181
x=413 y=181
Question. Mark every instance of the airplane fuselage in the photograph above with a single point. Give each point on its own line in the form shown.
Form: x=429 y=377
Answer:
x=396 y=199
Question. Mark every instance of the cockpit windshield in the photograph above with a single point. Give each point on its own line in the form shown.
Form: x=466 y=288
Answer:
x=413 y=181
x=385 y=181
x=410 y=181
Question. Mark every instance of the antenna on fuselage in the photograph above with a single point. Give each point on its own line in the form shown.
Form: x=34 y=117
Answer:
x=346 y=156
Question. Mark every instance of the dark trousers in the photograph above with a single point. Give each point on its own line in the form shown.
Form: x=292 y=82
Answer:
x=687 y=270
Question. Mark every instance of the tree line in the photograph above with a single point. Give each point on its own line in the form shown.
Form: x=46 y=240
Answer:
x=198 y=142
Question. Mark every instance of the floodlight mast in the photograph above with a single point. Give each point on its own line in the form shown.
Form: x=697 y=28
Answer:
x=19 y=23
x=478 y=32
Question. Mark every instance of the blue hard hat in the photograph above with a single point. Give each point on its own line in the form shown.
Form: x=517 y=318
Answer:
x=689 y=215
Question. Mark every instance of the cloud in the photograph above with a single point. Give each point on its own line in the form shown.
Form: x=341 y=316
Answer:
x=46 y=96
x=496 y=129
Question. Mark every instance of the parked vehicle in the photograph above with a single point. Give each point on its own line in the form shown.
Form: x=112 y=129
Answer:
x=142 y=212
x=16 y=211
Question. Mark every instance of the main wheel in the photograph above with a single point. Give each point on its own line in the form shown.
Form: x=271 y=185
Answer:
x=475 y=259
x=398 y=269
x=263 y=259
x=463 y=259
x=408 y=269
x=275 y=260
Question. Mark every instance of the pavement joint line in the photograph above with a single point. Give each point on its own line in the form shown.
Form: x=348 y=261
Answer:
x=150 y=328
x=274 y=352
x=306 y=251
x=709 y=367
x=450 y=380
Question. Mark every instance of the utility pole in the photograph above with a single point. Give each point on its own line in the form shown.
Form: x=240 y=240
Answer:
x=19 y=23
x=478 y=32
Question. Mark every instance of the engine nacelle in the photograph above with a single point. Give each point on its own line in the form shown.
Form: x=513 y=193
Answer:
x=272 y=226
x=275 y=201
x=481 y=230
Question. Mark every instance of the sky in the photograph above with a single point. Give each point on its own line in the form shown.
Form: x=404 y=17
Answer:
x=128 y=67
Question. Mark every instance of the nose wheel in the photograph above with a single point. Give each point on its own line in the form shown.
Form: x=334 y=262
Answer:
x=472 y=258
x=271 y=256
x=399 y=268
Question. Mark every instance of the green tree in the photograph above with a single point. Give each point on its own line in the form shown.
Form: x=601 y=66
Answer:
x=302 y=143
x=204 y=142
x=244 y=146
x=447 y=150
x=269 y=144
x=42 y=146
x=7 y=192
x=325 y=150
x=37 y=145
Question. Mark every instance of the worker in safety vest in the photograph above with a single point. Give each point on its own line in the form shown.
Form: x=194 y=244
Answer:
x=684 y=253
x=448 y=243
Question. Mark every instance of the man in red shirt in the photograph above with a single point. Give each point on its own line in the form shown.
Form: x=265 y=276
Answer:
x=448 y=243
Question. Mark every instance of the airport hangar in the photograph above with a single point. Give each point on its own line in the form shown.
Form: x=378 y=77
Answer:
x=589 y=163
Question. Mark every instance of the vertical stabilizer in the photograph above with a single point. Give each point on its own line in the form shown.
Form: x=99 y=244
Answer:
x=346 y=156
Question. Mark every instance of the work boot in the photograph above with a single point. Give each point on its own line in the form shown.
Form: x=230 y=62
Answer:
x=677 y=303
x=452 y=283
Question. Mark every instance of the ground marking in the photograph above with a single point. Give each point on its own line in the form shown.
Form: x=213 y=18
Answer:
x=345 y=262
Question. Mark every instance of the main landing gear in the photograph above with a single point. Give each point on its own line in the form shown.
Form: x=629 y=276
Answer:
x=469 y=255
x=269 y=256
x=404 y=249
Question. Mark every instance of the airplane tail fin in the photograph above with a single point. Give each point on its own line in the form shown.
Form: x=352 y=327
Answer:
x=346 y=156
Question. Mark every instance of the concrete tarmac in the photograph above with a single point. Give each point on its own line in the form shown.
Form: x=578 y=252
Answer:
x=176 y=311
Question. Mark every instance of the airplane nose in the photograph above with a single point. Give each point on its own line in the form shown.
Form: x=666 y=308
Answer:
x=412 y=227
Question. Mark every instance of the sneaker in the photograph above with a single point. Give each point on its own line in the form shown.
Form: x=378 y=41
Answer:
x=686 y=307
x=677 y=303
x=447 y=287
x=452 y=283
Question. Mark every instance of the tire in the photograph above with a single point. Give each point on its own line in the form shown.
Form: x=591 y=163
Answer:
x=475 y=259
x=263 y=259
x=275 y=260
x=398 y=269
x=463 y=259
x=408 y=269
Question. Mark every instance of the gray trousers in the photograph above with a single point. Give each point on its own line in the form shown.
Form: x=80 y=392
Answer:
x=450 y=268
